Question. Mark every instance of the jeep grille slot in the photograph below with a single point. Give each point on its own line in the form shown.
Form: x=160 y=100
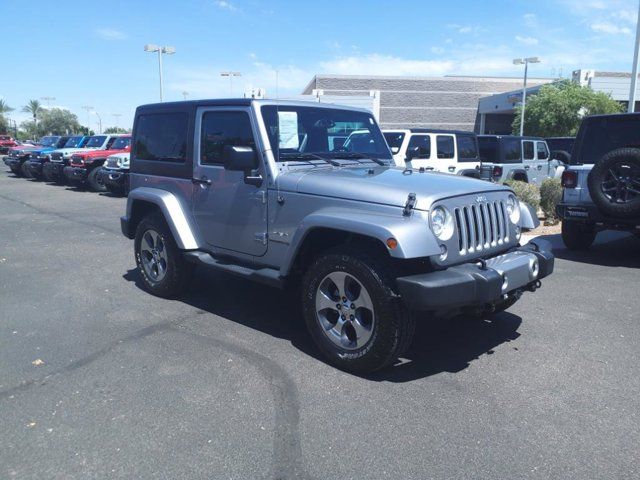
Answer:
x=481 y=226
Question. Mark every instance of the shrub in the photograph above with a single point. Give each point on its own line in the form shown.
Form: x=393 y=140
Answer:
x=526 y=192
x=550 y=195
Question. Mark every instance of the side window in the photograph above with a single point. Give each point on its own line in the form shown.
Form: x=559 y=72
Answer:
x=543 y=151
x=527 y=150
x=422 y=143
x=446 y=147
x=110 y=142
x=467 y=148
x=220 y=129
x=161 y=137
x=511 y=148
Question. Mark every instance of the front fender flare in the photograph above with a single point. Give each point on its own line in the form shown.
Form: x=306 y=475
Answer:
x=528 y=217
x=176 y=215
x=414 y=237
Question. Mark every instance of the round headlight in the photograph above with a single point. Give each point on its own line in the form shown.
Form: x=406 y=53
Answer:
x=118 y=162
x=441 y=223
x=513 y=209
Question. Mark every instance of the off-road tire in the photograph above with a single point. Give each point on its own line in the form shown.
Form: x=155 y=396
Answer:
x=178 y=270
x=46 y=176
x=393 y=327
x=600 y=175
x=24 y=168
x=95 y=181
x=17 y=171
x=577 y=235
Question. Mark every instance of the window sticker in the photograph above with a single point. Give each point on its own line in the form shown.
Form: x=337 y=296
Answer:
x=288 y=128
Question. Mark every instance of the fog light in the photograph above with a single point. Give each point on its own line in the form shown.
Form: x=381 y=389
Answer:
x=443 y=253
x=534 y=267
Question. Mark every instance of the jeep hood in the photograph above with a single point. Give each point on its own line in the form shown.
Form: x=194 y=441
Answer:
x=66 y=151
x=382 y=185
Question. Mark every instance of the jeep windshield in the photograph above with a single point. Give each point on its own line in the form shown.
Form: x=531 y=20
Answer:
x=73 y=142
x=121 y=143
x=96 y=141
x=48 y=141
x=311 y=133
x=600 y=135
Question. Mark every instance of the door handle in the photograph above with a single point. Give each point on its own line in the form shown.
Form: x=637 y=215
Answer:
x=539 y=167
x=201 y=181
x=527 y=167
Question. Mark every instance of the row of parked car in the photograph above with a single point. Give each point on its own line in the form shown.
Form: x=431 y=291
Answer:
x=98 y=162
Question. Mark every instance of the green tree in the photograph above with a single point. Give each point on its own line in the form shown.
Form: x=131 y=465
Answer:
x=34 y=108
x=56 y=121
x=116 y=130
x=4 y=108
x=558 y=109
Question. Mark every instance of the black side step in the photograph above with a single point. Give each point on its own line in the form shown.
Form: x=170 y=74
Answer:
x=267 y=276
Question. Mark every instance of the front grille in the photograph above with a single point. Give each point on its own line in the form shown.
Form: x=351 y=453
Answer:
x=56 y=157
x=481 y=226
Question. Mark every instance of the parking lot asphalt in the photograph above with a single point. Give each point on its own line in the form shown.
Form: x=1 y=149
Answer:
x=98 y=379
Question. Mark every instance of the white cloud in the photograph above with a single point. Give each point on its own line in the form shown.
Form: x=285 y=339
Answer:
x=627 y=16
x=437 y=50
x=225 y=5
x=526 y=40
x=609 y=28
x=378 y=64
x=111 y=34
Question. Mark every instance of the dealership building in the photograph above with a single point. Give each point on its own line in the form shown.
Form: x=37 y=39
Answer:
x=480 y=104
x=449 y=102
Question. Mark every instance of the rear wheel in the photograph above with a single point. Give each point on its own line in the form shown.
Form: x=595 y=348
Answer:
x=352 y=312
x=577 y=235
x=95 y=181
x=163 y=269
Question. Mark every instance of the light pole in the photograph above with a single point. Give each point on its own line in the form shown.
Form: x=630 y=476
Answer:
x=88 y=108
x=230 y=75
x=99 y=121
x=525 y=62
x=152 y=48
x=634 y=72
x=48 y=100
x=185 y=94
x=117 y=116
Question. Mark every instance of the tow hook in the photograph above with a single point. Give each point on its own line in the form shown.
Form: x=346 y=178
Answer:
x=533 y=286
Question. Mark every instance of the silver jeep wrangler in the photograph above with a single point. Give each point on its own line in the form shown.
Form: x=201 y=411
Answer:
x=266 y=190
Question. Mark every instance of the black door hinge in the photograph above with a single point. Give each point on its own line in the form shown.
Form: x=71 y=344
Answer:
x=411 y=203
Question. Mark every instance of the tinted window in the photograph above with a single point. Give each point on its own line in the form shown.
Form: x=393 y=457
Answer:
x=445 y=145
x=394 y=140
x=488 y=147
x=565 y=144
x=601 y=135
x=121 y=143
x=161 y=136
x=220 y=129
x=422 y=143
x=467 y=148
x=512 y=150
x=543 y=152
x=527 y=149
x=96 y=141
x=73 y=142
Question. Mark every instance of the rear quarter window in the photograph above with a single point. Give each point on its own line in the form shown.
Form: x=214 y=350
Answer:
x=512 y=150
x=467 y=148
x=162 y=137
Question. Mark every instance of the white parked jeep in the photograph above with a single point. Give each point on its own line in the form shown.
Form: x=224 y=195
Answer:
x=438 y=150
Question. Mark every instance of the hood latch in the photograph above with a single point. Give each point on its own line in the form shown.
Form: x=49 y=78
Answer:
x=410 y=204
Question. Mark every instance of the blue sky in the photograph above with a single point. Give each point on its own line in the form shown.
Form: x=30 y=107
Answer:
x=91 y=53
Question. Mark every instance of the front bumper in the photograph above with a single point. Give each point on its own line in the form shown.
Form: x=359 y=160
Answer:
x=12 y=162
x=75 y=174
x=115 y=179
x=481 y=283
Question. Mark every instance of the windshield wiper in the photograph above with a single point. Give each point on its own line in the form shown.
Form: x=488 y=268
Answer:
x=307 y=156
x=357 y=155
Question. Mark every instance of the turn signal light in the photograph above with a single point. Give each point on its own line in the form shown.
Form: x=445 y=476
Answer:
x=392 y=243
x=569 y=179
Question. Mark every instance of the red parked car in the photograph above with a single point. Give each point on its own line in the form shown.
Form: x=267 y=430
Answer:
x=85 y=166
x=6 y=142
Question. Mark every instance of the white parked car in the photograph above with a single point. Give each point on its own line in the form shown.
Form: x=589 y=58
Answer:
x=447 y=151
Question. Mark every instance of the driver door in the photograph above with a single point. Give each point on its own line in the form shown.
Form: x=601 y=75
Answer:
x=230 y=214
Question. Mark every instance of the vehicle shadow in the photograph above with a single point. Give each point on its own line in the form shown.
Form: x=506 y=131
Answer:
x=447 y=345
x=610 y=249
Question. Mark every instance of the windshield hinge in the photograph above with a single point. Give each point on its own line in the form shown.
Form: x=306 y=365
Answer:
x=410 y=204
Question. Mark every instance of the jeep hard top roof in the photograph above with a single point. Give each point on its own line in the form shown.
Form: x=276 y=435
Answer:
x=511 y=136
x=242 y=102
x=428 y=130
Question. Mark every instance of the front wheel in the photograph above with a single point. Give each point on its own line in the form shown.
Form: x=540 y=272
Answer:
x=163 y=269
x=352 y=312
x=577 y=235
x=24 y=168
x=95 y=180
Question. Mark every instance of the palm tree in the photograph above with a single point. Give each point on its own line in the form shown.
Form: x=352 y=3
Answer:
x=34 y=108
x=4 y=108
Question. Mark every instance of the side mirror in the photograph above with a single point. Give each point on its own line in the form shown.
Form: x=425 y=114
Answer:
x=412 y=153
x=242 y=159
